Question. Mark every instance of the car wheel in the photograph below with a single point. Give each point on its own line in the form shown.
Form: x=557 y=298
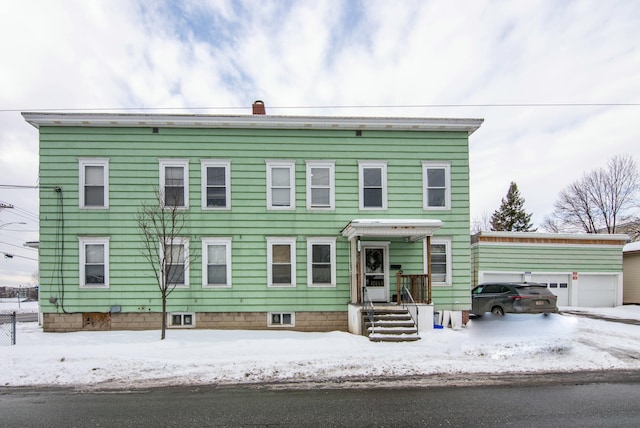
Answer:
x=497 y=311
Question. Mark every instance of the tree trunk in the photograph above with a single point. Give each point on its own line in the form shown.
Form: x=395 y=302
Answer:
x=164 y=316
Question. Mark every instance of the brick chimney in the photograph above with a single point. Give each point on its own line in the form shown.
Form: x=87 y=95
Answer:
x=258 y=107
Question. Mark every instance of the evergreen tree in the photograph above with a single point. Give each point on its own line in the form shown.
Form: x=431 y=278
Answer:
x=511 y=216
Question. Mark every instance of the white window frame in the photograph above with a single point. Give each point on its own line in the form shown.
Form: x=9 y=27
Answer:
x=426 y=165
x=362 y=165
x=271 y=164
x=311 y=241
x=83 y=242
x=330 y=165
x=216 y=163
x=271 y=241
x=184 y=242
x=184 y=164
x=182 y=315
x=84 y=162
x=447 y=243
x=226 y=242
x=270 y=322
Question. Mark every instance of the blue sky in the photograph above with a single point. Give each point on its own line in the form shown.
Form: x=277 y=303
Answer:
x=380 y=55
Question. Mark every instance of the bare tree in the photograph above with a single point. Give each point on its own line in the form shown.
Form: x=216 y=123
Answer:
x=600 y=201
x=161 y=229
x=481 y=223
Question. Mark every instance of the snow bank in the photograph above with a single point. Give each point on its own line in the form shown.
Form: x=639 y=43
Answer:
x=125 y=359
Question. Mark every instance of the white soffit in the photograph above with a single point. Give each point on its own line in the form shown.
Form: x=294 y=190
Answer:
x=38 y=119
x=412 y=229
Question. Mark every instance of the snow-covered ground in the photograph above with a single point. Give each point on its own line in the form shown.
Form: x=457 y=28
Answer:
x=126 y=359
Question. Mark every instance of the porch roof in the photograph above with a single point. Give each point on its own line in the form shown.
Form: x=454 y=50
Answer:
x=411 y=229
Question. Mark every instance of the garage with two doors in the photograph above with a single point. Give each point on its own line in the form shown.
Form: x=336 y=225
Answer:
x=583 y=270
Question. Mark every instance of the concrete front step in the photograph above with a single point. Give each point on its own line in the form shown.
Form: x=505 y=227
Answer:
x=392 y=324
x=379 y=337
x=404 y=323
x=393 y=330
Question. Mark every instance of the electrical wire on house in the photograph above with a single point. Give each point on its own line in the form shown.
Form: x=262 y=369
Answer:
x=59 y=253
x=300 y=107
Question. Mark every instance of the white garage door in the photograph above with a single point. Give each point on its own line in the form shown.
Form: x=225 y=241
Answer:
x=558 y=284
x=597 y=291
x=500 y=277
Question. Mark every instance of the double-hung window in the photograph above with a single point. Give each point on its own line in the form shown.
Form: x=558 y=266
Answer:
x=216 y=262
x=216 y=186
x=94 y=262
x=440 y=261
x=176 y=262
x=281 y=188
x=373 y=185
x=93 y=183
x=174 y=182
x=437 y=185
x=281 y=262
x=321 y=262
x=320 y=185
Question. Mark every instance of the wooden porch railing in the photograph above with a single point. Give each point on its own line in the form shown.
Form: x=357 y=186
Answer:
x=418 y=284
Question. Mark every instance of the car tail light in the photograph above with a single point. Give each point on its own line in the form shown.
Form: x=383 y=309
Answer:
x=515 y=297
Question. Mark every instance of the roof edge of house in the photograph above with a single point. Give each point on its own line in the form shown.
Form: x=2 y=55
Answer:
x=38 y=119
x=538 y=237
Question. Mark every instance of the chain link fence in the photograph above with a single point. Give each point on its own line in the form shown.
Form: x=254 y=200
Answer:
x=8 y=329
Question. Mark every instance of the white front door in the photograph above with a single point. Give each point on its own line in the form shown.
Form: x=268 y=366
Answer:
x=375 y=271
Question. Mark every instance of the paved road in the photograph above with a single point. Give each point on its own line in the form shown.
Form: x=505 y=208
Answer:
x=583 y=405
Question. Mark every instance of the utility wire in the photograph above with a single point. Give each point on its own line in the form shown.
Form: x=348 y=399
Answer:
x=329 y=107
x=11 y=255
x=18 y=246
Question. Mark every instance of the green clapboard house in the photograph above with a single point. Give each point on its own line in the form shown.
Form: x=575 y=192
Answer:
x=294 y=222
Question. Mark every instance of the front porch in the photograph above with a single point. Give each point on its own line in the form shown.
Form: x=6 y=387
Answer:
x=377 y=285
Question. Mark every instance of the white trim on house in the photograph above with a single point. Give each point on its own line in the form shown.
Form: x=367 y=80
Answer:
x=83 y=241
x=187 y=319
x=206 y=242
x=38 y=119
x=411 y=229
x=179 y=163
x=285 y=164
x=215 y=163
x=318 y=164
x=426 y=165
x=551 y=236
x=311 y=241
x=82 y=164
x=273 y=317
x=186 y=260
x=446 y=241
x=271 y=241
x=382 y=166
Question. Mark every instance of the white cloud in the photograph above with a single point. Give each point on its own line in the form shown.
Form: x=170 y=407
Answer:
x=123 y=54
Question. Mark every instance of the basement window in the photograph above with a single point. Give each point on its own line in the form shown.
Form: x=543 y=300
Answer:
x=280 y=319
x=181 y=319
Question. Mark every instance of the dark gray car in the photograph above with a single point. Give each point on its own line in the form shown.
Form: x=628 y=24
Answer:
x=500 y=298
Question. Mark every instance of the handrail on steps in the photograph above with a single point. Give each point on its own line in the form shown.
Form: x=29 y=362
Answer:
x=410 y=305
x=367 y=306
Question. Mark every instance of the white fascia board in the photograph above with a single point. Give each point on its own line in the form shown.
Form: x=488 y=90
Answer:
x=567 y=236
x=38 y=119
x=413 y=229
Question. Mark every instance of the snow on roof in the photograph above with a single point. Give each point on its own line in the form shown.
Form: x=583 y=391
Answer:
x=631 y=247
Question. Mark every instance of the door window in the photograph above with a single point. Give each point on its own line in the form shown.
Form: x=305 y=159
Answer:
x=374 y=267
